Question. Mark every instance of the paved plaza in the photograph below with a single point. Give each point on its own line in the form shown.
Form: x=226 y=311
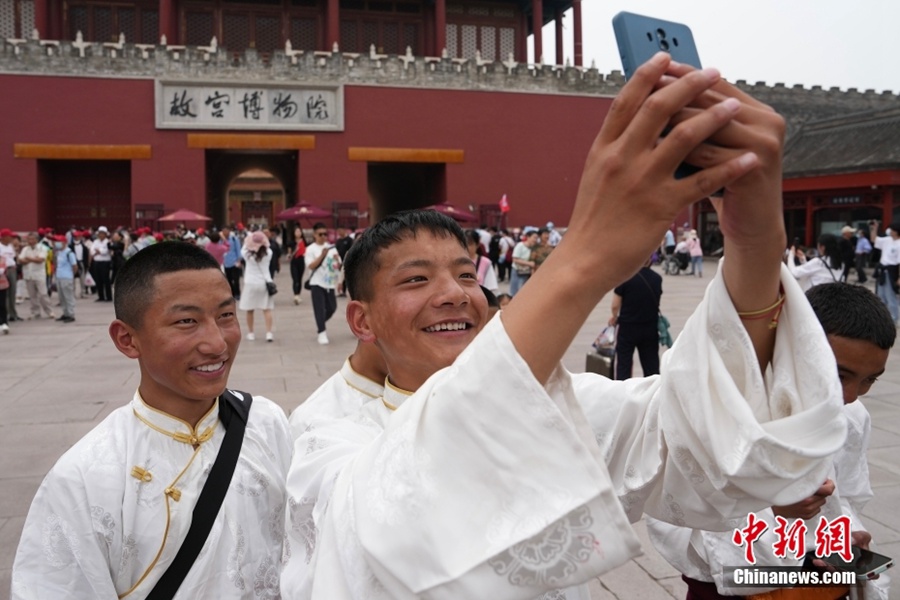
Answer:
x=57 y=381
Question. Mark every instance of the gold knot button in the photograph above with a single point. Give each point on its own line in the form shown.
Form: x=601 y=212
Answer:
x=141 y=474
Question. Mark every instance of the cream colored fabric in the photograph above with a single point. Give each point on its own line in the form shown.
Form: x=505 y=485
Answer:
x=94 y=528
x=703 y=555
x=344 y=393
x=485 y=484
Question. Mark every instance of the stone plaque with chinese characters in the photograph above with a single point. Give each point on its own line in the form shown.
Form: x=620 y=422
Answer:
x=198 y=105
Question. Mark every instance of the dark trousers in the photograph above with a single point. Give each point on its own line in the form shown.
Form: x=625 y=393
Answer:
x=101 y=271
x=861 y=260
x=503 y=270
x=298 y=266
x=3 y=294
x=233 y=275
x=703 y=590
x=324 y=304
x=10 y=299
x=644 y=337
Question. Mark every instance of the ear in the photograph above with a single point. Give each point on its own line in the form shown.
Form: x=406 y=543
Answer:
x=358 y=319
x=123 y=336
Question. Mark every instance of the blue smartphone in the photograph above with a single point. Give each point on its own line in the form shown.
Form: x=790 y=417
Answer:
x=640 y=37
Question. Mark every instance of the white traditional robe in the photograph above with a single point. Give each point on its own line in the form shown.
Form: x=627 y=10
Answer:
x=100 y=516
x=486 y=484
x=344 y=393
x=703 y=555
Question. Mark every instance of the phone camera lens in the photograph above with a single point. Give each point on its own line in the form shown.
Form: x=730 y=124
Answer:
x=661 y=33
x=664 y=45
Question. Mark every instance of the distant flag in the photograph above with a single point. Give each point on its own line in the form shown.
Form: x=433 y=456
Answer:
x=504 y=204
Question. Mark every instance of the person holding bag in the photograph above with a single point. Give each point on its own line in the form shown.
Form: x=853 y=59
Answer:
x=635 y=309
x=256 y=295
x=324 y=264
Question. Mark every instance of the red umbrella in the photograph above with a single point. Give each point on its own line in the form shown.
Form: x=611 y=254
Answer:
x=184 y=215
x=303 y=210
x=451 y=211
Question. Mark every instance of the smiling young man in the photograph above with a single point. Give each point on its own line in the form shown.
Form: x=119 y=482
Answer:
x=861 y=334
x=113 y=512
x=486 y=470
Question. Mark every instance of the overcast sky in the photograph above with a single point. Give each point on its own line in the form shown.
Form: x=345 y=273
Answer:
x=831 y=43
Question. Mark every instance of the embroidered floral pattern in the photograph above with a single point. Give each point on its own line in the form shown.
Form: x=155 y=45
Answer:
x=129 y=553
x=266 y=580
x=401 y=485
x=61 y=545
x=236 y=559
x=553 y=595
x=256 y=485
x=552 y=556
x=104 y=524
x=303 y=525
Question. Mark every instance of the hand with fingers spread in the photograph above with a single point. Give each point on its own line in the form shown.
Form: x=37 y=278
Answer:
x=750 y=210
x=626 y=200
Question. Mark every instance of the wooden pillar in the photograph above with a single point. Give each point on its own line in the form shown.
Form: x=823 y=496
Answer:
x=808 y=235
x=576 y=30
x=167 y=22
x=333 y=26
x=40 y=20
x=521 y=39
x=537 y=24
x=558 y=21
x=440 y=27
x=887 y=207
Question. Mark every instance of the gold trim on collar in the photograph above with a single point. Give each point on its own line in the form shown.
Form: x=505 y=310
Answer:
x=388 y=384
x=193 y=438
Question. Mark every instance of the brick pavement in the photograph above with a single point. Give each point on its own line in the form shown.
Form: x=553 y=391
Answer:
x=57 y=381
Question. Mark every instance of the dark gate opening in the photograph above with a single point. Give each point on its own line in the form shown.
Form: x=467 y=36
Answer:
x=402 y=186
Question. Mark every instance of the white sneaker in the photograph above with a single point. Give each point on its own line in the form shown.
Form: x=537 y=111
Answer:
x=297 y=299
x=250 y=336
x=323 y=338
x=270 y=337
x=5 y=329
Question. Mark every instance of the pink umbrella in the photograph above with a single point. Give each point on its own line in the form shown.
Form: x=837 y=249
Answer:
x=303 y=210
x=456 y=213
x=184 y=215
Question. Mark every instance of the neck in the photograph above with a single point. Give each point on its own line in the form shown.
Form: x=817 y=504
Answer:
x=189 y=412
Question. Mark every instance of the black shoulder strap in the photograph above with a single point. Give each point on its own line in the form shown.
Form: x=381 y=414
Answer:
x=231 y=404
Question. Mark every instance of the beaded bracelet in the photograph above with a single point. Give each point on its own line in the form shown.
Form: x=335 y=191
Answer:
x=755 y=315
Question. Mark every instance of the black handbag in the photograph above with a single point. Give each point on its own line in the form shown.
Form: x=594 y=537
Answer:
x=234 y=410
x=271 y=288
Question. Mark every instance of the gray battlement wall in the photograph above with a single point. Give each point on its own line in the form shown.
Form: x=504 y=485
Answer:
x=88 y=59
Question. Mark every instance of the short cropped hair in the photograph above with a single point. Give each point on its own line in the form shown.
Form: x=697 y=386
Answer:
x=361 y=262
x=853 y=312
x=135 y=287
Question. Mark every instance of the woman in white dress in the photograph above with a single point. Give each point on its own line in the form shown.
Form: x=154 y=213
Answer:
x=255 y=295
x=824 y=268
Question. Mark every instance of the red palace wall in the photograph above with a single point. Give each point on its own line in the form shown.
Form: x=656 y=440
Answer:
x=529 y=146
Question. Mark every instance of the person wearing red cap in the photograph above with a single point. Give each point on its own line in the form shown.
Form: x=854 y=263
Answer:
x=8 y=253
x=66 y=267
